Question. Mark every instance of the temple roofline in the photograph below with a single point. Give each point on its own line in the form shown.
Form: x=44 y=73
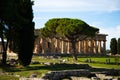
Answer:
x=102 y=34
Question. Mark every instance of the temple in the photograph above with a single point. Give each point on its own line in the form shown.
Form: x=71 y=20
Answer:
x=89 y=45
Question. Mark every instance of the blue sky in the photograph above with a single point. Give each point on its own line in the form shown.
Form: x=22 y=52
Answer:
x=103 y=14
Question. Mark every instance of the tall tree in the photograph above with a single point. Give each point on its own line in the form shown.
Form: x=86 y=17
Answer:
x=26 y=32
x=18 y=16
x=4 y=46
x=5 y=18
x=113 y=46
x=68 y=29
x=118 y=46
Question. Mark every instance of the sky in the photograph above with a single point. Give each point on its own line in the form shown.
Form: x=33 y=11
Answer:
x=103 y=14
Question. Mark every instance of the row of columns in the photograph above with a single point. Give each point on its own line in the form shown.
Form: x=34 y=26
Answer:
x=84 y=46
x=91 y=46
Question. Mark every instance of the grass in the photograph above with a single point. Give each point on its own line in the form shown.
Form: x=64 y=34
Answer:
x=6 y=77
x=96 y=61
x=40 y=69
x=107 y=66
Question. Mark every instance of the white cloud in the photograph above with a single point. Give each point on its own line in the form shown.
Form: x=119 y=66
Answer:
x=79 y=6
x=76 y=5
x=113 y=32
x=118 y=30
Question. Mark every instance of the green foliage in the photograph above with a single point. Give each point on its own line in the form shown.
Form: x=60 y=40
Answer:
x=113 y=46
x=18 y=16
x=66 y=27
x=107 y=51
x=118 y=46
x=8 y=15
x=72 y=29
x=26 y=34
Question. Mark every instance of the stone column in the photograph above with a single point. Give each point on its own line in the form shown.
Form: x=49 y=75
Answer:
x=53 y=45
x=87 y=48
x=62 y=47
x=76 y=47
x=104 y=46
x=65 y=47
x=99 y=46
x=91 y=46
x=95 y=46
x=43 y=45
x=56 y=43
x=68 y=47
x=81 y=48
x=84 y=46
x=59 y=46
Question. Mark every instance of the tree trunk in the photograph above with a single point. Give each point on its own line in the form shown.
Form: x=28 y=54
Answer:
x=4 y=57
x=74 y=51
x=4 y=54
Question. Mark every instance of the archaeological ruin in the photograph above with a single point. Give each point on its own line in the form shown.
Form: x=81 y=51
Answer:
x=88 y=45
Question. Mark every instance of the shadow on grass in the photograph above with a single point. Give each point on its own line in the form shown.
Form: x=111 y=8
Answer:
x=56 y=67
x=46 y=67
